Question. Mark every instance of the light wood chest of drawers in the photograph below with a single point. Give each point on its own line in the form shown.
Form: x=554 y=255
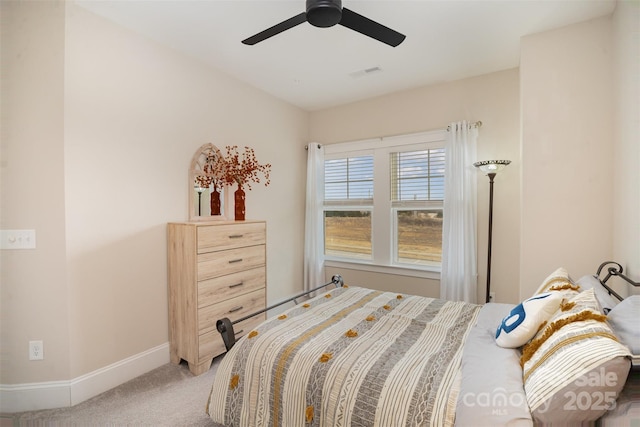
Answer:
x=215 y=269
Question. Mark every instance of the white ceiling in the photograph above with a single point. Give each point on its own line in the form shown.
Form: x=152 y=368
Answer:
x=316 y=68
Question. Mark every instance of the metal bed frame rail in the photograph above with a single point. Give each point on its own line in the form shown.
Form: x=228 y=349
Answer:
x=613 y=271
x=225 y=326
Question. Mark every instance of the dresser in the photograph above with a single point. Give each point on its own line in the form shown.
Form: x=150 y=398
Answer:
x=216 y=269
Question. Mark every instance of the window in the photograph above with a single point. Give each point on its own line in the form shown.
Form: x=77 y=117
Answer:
x=417 y=192
x=383 y=201
x=348 y=195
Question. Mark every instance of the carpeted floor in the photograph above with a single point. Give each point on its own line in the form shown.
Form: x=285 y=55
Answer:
x=167 y=396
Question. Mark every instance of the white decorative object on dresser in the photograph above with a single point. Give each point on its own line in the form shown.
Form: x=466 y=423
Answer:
x=215 y=269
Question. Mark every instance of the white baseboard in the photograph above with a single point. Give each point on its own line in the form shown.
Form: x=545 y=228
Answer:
x=34 y=396
x=59 y=394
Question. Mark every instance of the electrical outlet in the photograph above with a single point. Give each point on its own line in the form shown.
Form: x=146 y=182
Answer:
x=36 y=350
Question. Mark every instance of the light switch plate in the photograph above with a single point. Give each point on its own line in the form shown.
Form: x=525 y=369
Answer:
x=17 y=239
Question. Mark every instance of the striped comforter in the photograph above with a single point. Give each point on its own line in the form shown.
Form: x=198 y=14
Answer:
x=350 y=357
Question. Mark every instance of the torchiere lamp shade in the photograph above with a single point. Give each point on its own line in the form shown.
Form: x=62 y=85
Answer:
x=491 y=166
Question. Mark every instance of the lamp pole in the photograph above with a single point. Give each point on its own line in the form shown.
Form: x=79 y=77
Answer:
x=491 y=176
x=491 y=168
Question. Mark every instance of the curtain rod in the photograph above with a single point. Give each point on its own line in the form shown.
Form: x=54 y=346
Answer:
x=477 y=124
x=473 y=124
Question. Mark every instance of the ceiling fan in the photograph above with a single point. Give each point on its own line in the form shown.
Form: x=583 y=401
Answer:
x=327 y=13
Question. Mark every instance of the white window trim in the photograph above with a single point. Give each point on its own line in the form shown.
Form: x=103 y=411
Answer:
x=387 y=269
x=381 y=219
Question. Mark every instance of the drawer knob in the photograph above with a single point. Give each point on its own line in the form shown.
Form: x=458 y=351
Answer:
x=236 y=285
x=233 y=261
x=236 y=236
x=234 y=309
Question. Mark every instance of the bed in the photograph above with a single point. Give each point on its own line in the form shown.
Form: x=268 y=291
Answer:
x=352 y=356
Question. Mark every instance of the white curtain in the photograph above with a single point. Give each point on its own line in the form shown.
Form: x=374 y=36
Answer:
x=313 y=228
x=458 y=280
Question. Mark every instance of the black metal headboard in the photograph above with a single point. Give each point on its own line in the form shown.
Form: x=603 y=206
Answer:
x=615 y=270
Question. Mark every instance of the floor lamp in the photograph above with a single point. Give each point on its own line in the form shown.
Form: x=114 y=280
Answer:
x=490 y=168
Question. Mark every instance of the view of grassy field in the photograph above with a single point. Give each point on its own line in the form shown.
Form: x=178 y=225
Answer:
x=419 y=237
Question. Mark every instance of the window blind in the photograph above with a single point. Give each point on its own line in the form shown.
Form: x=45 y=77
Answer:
x=417 y=175
x=349 y=179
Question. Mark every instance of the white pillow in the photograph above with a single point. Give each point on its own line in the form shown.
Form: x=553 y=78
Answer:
x=522 y=323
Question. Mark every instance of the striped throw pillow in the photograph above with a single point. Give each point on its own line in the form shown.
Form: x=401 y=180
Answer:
x=559 y=281
x=574 y=368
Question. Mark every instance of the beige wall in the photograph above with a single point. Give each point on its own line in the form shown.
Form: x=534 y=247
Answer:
x=99 y=169
x=626 y=134
x=34 y=298
x=492 y=99
x=566 y=104
x=135 y=114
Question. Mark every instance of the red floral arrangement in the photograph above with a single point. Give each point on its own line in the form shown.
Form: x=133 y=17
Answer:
x=204 y=181
x=243 y=169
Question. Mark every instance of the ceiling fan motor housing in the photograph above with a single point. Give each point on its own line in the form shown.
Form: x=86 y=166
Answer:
x=324 y=13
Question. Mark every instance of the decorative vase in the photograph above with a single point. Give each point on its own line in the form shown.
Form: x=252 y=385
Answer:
x=215 y=201
x=239 y=204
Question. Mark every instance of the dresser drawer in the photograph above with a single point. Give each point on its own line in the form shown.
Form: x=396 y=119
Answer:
x=211 y=342
x=216 y=264
x=221 y=288
x=233 y=308
x=221 y=237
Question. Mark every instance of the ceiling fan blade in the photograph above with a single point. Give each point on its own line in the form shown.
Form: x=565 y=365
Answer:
x=370 y=28
x=276 y=29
